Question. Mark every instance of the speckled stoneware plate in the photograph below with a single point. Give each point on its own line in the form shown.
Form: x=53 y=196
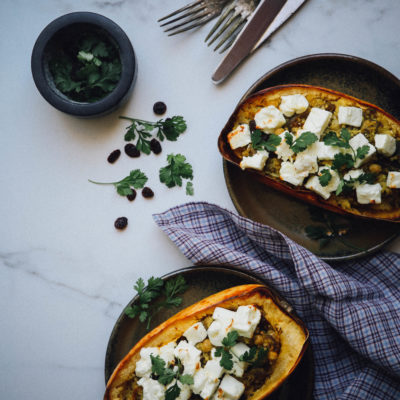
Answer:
x=348 y=74
x=203 y=281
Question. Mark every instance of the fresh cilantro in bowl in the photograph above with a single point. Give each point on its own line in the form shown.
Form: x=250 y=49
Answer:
x=85 y=68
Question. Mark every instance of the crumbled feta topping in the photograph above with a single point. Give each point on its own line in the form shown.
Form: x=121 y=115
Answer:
x=358 y=141
x=393 y=180
x=152 y=389
x=239 y=137
x=317 y=121
x=294 y=103
x=256 y=161
x=352 y=116
x=196 y=333
x=369 y=194
x=385 y=144
x=269 y=118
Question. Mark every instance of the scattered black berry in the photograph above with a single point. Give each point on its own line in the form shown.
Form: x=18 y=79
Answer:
x=131 y=150
x=252 y=125
x=147 y=193
x=155 y=146
x=159 y=108
x=132 y=196
x=114 y=156
x=121 y=223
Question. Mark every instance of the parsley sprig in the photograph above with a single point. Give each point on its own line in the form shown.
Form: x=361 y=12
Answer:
x=169 y=128
x=145 y=308
x=256 y=356
x=136 y=179
x=346 y=185
x=300 y=144
x=344 y=160
x=224 y=351
x=166 y=375
x=325 y=177
x=176 y=170
x=259 y=142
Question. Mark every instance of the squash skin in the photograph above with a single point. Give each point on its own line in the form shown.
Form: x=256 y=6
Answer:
x=301 y=193
x=294 y=336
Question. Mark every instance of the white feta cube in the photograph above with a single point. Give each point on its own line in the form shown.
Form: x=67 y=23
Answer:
x=369 y=194
x=326 y=152
x=217 y=331
x=358 y=141
x=306 y=164
x=223 y=314
x=353 y=174
x=209 y=388
x=214 y=369
x=239 y=349
x=393 y=180
x=294 y=103
x=256 y=161
x=283 y=150
x=317 y=121
x=231 y=387
x=385 y=144
x=239 y=137
x=352 y=116
x=152 y=389
x=314 y=185
x=196 y=333
x=288 y=173
x=143 y=366
x=199 y=381
x=238 y=368
x=185 y=392
x=189 y=356
x=269 y=118
x=167 y=352
x=246 y=320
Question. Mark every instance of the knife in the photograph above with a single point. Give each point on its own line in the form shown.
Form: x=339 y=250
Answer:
x=290 y=7
x=251 y=34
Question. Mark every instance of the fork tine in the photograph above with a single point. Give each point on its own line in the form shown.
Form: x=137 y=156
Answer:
x=224 y=14
x=187 y=21
x=188 y=14
x=190 y=5
x=230 y=33
x=201 y=22
x=227 y=24
x=232 y=38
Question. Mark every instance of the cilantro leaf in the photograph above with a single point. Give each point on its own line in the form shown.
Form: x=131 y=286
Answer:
x=136 y=179
x=256 y=356
x=170 y=128
x=174 y=287
x=226 y=360
x=189 y=188
x=331 y=139
x=289 y=138
x=157 y=365
x=342 y=160
x=176 y=170
x=259 y=143
x=231 y=339
x=325 y=177
x=305 y=140
x=186 y=379
x=367 y=177
x=173 y=392
x=362 y=151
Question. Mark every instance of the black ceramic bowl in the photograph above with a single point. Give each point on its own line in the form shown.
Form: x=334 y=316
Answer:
x=54 y=36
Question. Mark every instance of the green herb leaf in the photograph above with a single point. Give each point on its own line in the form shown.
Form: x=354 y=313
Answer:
x=331 y=139
x=136 y=179
x=186 y=379
x=362 y=151
x=256 y=356
x=157 y=365
x=174 y=287
x=231 y=339
x=249 y=355
x=226 y=360
x=173 y=392
x=259 y=143
x=325 y=177
x=176 y=170
x=342 y=161
x=289 y=139
x=367 y=178
x=171 y=128
x=189 y=188
x=305 y=140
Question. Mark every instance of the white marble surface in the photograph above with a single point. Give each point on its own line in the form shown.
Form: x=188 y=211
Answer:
x=65 y=272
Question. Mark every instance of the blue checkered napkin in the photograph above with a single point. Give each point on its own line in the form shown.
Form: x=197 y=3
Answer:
x=351 y=309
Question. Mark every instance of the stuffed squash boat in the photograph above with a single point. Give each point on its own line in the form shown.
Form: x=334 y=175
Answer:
x=321 y=146
x=235 y=344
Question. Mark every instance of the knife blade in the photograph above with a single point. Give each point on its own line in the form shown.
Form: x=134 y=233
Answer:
x=290 y=7
x=254 y=29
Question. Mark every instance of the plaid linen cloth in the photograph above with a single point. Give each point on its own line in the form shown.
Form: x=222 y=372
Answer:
x=352 y=309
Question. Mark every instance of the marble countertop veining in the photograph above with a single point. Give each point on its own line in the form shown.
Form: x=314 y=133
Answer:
x=65 y=272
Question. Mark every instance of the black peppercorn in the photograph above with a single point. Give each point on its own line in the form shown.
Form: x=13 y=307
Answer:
x=131 y=150
x=132 y=196
x=121 y=223
x=159 y=108
x=147 y=193
x=155 y=146
x=114 y=156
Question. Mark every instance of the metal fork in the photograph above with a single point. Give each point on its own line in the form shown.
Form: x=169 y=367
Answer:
x=194 y=14
x=233 y=18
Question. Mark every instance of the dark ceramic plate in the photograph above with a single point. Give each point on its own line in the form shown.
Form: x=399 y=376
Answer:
x=202 y=282
x=347 y=74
